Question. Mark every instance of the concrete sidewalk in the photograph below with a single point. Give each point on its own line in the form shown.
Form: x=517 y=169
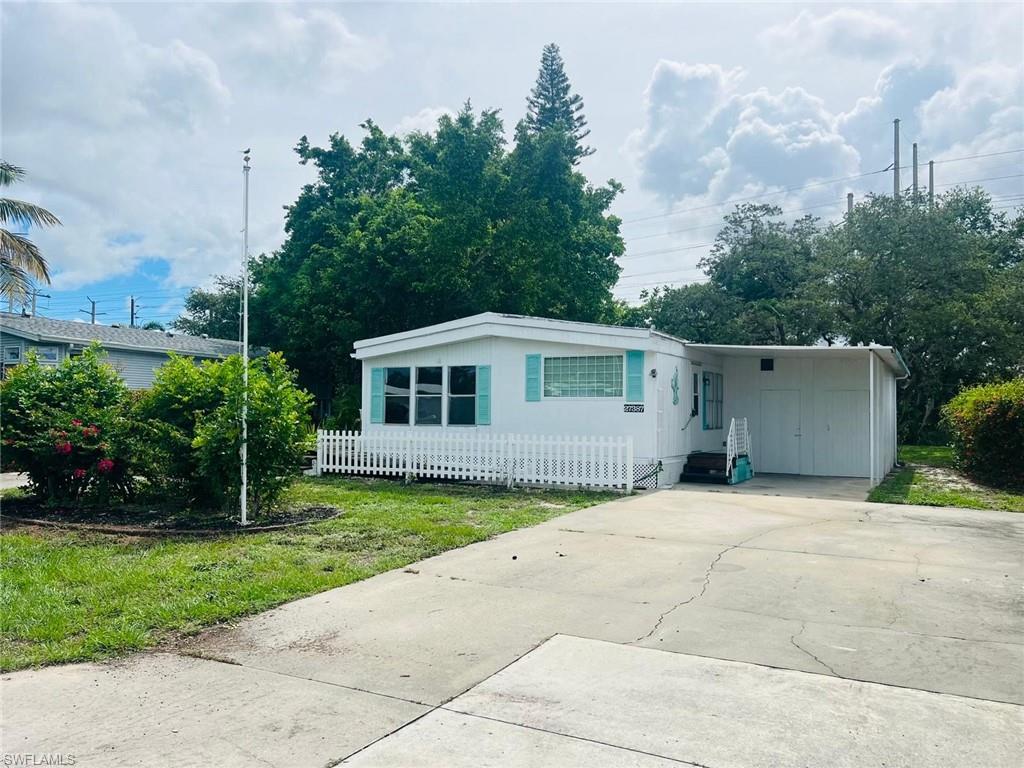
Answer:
x=830 y=608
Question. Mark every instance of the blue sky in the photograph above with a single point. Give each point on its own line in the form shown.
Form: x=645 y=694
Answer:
x=129 y=117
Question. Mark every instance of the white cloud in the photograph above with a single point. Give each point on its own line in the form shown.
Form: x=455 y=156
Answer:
x=848 y=32
x=133 y=140
x=705 y=141
x=291 y=43
x=701 y=135
x=423 y=121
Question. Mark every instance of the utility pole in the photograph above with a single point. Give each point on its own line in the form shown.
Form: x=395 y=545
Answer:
x=931 y=183
x=915 y=171
x=131 y=321
x=849 y=203
x=244 y=450
x=92 y=311
x=896 y=158
x=35 y=295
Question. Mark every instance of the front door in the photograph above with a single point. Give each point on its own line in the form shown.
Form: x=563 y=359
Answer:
x=780 y=432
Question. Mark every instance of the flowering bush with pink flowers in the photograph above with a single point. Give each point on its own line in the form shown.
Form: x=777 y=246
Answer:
x=70 y=428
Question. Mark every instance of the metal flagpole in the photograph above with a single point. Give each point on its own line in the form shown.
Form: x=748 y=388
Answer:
x=244 y=450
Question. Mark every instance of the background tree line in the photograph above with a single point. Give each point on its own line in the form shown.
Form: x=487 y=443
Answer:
x=397 y=233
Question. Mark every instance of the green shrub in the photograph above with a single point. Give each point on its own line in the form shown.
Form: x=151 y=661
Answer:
x=196 y=414
x=987 y=424
x=69 y=428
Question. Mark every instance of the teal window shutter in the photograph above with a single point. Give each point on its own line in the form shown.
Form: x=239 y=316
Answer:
x=377 y=396
x=483 y=394
x=635 y=375
x=532 y=378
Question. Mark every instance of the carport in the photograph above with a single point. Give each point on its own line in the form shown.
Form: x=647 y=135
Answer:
x=826 y=411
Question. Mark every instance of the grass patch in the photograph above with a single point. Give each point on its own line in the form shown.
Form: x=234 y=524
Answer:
x=930 y=479
x=67 y=596
x=928 y=455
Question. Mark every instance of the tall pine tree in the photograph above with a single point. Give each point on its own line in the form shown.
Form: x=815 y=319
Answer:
x=552 y=104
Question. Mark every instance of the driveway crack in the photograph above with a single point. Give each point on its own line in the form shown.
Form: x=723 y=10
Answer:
x=711 y=567
x=691 y=598
x=792 y=639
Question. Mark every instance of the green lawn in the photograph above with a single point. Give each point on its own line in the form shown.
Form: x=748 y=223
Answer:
x=929 y=478
x=73 y=597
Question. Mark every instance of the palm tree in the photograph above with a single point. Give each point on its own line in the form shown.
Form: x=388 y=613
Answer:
x=20 y=259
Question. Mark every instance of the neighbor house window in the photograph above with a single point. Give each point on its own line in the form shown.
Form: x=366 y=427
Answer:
x=592 y=376
x=47 y=354
x=428 y=395
x=695 y=408
x=12 y=354
x=396 y=395
x=462 y=395
x=713 y=392
x=767 y=363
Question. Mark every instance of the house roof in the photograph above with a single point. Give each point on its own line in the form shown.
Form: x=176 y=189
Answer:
x=496 y=324
x=44 y=329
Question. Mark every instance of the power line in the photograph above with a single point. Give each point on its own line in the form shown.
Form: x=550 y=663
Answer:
x=808 y=208
x=815 y=184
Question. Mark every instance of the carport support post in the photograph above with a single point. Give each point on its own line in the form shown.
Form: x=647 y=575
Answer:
x=871 y=417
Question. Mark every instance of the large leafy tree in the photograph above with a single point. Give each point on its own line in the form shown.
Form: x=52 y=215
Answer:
x=552 y=104
x=213 y=312
x=21 y=262
x=762 y=287
x=398 y=234
x=945 y=285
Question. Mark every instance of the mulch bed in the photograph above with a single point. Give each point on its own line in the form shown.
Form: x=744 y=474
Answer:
x=147 y=520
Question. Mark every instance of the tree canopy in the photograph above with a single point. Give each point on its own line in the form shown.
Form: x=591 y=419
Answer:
x=213 y=312
x=21 y=261
x=400 y=233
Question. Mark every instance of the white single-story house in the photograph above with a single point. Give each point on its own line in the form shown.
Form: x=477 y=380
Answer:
x=134 y=353
x=827 y=411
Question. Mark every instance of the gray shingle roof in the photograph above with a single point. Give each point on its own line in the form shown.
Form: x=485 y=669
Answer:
x=65 y=331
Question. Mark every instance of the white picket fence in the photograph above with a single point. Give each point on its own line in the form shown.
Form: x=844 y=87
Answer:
x=509 y=459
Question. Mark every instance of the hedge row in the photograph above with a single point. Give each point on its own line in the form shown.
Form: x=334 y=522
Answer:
x=987 y=425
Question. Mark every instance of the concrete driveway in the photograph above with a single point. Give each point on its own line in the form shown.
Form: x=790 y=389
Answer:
x=675 y=627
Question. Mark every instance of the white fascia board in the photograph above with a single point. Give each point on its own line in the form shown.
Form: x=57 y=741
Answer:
x=890 y=355
x=512 y=327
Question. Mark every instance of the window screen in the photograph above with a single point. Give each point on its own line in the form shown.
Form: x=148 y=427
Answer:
x=396 y=395
x=713 y=396
x=462 y=395
x=428 y=395
x=592 y=376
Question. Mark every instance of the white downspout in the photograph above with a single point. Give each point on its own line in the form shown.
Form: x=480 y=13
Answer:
x=871 y=416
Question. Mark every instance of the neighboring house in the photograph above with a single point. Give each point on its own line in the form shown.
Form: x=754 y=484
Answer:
x=134 y=353
x=811 y=410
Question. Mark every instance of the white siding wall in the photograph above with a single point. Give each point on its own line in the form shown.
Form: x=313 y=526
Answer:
x=833 y=398
x=885 y=419
x=510 y=411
